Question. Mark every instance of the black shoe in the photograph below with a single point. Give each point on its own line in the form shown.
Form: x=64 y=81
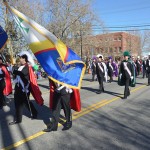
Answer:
x=14 y=122
x=51 y=128
x=67 y=125
x=98 y=92
x=129 y=94
x=34 y=117
x=148 y=85
x=124 y=97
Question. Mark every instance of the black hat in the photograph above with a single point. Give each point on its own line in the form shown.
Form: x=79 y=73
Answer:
x=25 y=57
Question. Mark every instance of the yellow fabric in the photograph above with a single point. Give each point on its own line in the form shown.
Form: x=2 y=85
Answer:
x=41 y=45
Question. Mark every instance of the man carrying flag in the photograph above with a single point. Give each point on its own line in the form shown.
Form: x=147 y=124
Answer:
x=66 y=98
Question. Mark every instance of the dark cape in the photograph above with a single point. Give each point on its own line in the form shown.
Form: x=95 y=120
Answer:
x=121 y=80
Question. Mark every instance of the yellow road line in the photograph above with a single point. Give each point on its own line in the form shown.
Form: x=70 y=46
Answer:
x=75 y=116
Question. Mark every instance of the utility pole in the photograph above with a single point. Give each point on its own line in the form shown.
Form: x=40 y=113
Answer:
x=81 y=42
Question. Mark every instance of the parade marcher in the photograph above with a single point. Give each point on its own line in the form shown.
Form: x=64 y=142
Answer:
x=138 y=64
x=126 y=74
x=100 y=70
x=144 y=67
x=62 y=97
x=148 y=68
x=135 y=66
x=5 y=83
x=112 y=68
x=25 y=83
x=93 y=67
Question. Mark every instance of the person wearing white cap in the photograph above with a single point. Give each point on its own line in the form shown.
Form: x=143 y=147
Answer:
x=148 y=68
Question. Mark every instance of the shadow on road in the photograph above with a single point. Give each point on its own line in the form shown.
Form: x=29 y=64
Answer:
x=44 y=86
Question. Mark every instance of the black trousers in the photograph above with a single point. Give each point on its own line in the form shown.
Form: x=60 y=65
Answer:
x=111 y=78
x=144 y=72
x=2 y=97
x=149 y=78
x=138 y=70
x=93 y=76
x=21 y=100
x=126 y=90
x=101 y=85
x=110 y=74
x=61 y=101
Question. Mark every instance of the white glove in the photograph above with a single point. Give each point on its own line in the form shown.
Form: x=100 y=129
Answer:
x=131 y=77
x=120 y=75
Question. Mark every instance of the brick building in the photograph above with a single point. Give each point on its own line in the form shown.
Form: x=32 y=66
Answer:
x=112 y=44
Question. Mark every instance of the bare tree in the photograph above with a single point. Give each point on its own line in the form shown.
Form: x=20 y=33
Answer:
x=145 y=41
x=16 y=40
x=71 y=21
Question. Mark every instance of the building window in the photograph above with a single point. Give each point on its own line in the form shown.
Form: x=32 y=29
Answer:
x=120 y=50
x=106 y=49
x=115 y=39
x=115 y=50
x=102 y=51
x=119 y=38
x=111 y=50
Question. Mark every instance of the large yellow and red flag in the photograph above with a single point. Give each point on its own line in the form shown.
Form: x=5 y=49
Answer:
x=60 y=63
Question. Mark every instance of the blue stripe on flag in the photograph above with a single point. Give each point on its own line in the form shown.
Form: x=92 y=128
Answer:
x=54 y=67
x=3 y=37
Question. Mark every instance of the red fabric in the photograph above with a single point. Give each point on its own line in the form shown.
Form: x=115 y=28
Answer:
x=35 y=91
x=75 y=102
x=8 y=87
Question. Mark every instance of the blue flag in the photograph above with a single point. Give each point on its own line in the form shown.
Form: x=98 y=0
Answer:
x=3 y=38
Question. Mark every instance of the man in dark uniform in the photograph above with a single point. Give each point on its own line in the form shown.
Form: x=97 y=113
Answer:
x=144 y=67
x=2 y=85
x=61 y=99
x=138 y=64
x=126 y=73
x=93 y=67
x=5 y=83
x=100 y=70
x=22 y=91
x=110 y=69
x=148 y=69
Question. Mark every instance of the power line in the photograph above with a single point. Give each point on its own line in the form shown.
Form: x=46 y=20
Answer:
x=128 y=10
x=121 y=30
x=131 y=26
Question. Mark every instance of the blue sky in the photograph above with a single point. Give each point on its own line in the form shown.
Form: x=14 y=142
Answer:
x=123 y=12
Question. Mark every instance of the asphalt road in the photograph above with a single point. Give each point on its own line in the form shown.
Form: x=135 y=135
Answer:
x=106 y=122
